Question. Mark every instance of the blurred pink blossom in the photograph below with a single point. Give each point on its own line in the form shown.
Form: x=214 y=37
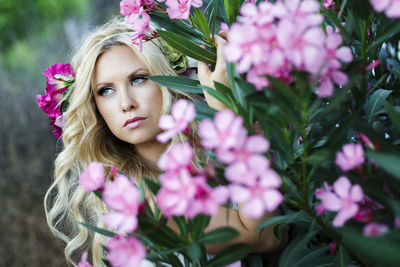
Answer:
x=391 y=7
x=375 y=229
x=177 y=190
x=125 y=251
x=397 y=222
x=179 y=156
x=93 y=178
x=141 y=29
x=206 y=199
x=260 y=196
x=344 y=199
x=223 y=132
x=130 y=7
x=180 y=9
x=351 y=156
x=122 y=196
x=183 y=112
x=320 y=193
x=329 y=4
x=83 y=262
x=374 y=64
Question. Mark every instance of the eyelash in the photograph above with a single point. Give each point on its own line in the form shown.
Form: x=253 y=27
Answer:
x=133 y=80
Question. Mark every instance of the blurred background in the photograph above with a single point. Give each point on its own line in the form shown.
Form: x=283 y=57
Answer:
x=34 y=34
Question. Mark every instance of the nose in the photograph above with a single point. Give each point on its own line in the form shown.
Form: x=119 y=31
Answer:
x=127 y=101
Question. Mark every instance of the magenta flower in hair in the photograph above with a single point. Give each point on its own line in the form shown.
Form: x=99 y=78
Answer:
x=125 y=251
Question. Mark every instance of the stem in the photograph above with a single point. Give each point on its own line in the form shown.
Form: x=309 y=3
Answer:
x=363 y=87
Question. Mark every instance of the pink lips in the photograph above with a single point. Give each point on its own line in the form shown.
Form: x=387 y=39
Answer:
x=134 y=122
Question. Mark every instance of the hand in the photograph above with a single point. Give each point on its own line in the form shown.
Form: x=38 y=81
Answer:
x=207 y=77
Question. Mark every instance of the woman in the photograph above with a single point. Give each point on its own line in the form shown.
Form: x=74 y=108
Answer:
x=112 y=118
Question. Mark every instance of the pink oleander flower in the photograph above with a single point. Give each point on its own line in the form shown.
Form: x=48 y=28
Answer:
x=375 y=229
x=344 y=199
x=84 y=262
x=125 y=251
x=374 y=64
x=182 y=114
x=93 y=178
x=259 y=197
x=366 y=207
x=180 y=156
x=131 y=7
x=247 y=173
x=223 y=132
x=122 y=196
x=245 y=148
x=391 y=7
x=141 y=29
x=320 y=193
x=176 y=193
x=180 y=9
x=397 y=222
x=329 y=4
x=333 y=55
x=303 y=13
x=351 y=156
x=206 y=200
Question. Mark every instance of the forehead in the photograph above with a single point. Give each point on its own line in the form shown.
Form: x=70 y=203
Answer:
x=118 y=60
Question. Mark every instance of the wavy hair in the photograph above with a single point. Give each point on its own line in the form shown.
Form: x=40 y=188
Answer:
x=86 y=138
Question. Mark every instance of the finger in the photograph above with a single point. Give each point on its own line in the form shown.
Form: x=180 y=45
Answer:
x=223 y=34
x=204 y=72
x=220 y=43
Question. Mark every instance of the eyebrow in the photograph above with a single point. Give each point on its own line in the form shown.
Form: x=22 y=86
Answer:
x=133 y=74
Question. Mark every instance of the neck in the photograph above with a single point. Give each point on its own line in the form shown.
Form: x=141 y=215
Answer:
x=151 y=151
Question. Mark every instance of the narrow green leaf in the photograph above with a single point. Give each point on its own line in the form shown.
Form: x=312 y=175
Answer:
x=312 y=256
x=178 y=83
x=212 y=18
x=388 y=162
x=194 y=251
x=286 y=219
x=198 y=224
x=393 y=115
x=342 y=257
x=98 y=230
x=231 y=10
x=187 y=47
x=203 y=111
x=283 y=90
x=152 y=185
x=219 y=235
x=229 y=255
x=385 y=35
x=202 y=23
x=376 y=101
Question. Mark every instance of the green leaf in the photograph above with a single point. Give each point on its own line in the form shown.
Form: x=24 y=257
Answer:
x=98 y=230
x=219 y=235
x=229 y=255
x=194 y=251
x=377 y=251
x=159 y=233
x=342 y=257
x=388 y=162
x=376 y=101
x=187 y=47
x=231 y=10
x=314 y=257
x=283 y=90
x=198 y=224
x=393 y=115
x=286 y=219
x=294 y=251
x=203 y=111
x=212 y=18
x=201 y=22
x=152 y=185
x=162 y=21
x=178 y=83
x=385 y=34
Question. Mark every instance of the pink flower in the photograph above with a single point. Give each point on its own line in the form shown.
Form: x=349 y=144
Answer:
x=84 y=262
x=375 y=229
x=329 y=4
x=177 y=190
x=303 y=14
x=206 y=200
x=125 y=251
x=374 y=64
x=180 y=156
x=183 y=112
x=351 y=157
x=344 y=199
x=141 y=29
x=59 y=76
x=397 y=222
x=180 y=9
x=93 y=178
x=259 y=197
x=122 y=196
x=391 y=7
x=320 y=193
x=129 y=7
x=223 y=132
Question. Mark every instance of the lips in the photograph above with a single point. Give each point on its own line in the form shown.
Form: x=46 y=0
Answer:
x=134 y=122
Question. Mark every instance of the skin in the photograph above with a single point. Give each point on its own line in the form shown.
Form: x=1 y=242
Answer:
x=122 y=91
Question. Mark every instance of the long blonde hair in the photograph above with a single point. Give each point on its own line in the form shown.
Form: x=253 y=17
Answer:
x=86 y=138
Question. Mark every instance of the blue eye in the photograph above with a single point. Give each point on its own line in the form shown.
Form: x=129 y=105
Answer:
x=105 y=91
x=138 y=79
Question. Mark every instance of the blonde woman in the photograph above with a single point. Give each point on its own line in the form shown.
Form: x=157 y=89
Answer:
x=112 y=118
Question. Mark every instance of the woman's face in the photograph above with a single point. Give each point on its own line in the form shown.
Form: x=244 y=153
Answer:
x=128 y=101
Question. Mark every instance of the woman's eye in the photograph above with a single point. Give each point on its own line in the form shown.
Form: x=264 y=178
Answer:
x=105 y=91
x=138 y=79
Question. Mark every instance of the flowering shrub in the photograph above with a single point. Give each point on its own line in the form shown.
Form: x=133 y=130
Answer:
x=321 y=80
